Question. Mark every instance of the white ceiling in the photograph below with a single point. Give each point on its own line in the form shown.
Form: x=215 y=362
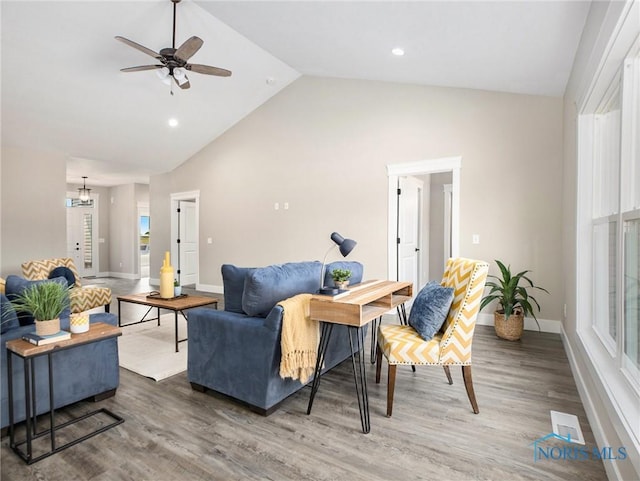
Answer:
x=62 y=89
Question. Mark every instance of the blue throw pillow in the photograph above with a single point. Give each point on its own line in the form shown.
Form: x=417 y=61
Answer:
x=15 y=285
x=233 y=281
x=266 y=286
x=430 y=309
x=355 y=267
x=65 y=272
x=9 y=318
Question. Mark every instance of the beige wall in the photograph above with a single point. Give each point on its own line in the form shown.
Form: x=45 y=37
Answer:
x=322 y=145
x=122 y=234
x=32 y=207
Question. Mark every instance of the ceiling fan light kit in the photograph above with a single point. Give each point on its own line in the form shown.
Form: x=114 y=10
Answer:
x=174 y=62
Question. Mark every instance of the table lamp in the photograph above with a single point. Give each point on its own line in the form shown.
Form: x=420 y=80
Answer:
x=345 y=246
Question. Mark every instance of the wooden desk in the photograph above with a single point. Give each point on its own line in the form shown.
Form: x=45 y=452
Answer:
x=362 y=304
x=28 y=352
x=178 y=304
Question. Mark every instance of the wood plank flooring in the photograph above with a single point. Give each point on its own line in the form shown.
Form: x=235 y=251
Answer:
x=174 y=433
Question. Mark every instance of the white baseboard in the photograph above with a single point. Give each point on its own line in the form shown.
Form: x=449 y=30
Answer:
x=210 y=288
x=546 y=325
x=123 y=275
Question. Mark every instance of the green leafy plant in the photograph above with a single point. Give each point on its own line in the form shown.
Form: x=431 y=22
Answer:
x=176 y=283
x=43 y=301
x=512 y=297
x=340 y=275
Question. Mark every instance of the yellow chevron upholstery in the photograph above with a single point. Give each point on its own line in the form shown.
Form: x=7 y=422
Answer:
x=81 y=298
x=401 y=344
x=2 y=284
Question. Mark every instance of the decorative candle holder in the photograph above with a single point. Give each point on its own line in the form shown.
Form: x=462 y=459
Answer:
x=79 y=323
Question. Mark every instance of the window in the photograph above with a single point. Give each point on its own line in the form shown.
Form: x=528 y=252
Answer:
x=609 y=227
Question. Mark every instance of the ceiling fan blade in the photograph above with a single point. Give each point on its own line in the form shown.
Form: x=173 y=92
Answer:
x=137 y=46
x=188 y=48
x=208 y=70
x=140 y=68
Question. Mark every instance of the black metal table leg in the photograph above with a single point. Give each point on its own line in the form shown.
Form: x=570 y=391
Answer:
x=119 y=314
x=374 y=338
x=176 y=321
x=51 y=407
x=10 y=389
x=360 y=377
x=325 y=335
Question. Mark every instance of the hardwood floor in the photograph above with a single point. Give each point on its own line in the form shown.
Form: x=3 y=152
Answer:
x=174 y=433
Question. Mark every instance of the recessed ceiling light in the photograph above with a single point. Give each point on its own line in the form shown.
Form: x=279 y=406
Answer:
x=173 y=122
x=398 y=52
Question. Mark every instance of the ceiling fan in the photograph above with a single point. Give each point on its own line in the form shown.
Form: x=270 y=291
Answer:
x=173 y=62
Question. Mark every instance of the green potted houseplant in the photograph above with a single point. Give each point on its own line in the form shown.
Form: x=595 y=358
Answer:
x=177 y=288
x=341 y=277
x=514 y=301
x=45 y=302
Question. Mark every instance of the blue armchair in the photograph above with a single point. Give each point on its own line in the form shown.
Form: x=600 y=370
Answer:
x=236 y=352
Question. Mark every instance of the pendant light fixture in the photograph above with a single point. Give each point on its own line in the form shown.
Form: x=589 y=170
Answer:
x=83 y=192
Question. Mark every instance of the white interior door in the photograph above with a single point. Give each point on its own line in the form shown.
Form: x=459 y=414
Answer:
x=409 y=230
x=188 y=262
x=82 y=236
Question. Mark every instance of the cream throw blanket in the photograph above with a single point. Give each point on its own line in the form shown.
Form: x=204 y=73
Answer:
x=299 y=339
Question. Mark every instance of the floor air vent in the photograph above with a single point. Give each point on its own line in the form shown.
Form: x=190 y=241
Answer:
x=564 y=425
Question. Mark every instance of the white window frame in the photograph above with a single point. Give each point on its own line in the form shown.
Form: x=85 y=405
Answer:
x=621 y=386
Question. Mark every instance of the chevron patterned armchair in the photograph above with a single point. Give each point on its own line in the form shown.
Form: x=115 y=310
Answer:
x=401 y=344
x=81 y=298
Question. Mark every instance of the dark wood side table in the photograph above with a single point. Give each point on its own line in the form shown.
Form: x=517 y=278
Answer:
x=177 y=305
x=28 y=352
x=364 y=303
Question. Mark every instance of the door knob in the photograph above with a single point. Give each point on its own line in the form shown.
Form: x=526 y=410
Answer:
x=417 y=250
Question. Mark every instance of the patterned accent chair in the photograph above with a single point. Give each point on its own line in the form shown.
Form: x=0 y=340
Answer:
x=81 y=298
x=401 y=344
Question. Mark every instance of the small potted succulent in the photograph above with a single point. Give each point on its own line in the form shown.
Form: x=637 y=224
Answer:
x=341 y=277
x=45 y=302
x=177 y=288
x=514 y=302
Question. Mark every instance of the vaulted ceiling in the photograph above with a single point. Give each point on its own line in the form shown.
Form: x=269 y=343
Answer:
x=62 y=89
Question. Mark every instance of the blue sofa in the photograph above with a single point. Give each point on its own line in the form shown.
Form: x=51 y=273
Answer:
x=236 y=352
x=85 y=372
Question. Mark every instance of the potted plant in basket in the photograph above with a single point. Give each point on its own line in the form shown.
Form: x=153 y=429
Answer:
x=514 y=302
x=45 y=302
x=341 y=277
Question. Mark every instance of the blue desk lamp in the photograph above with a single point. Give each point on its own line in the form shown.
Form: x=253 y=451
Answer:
x=345 y=246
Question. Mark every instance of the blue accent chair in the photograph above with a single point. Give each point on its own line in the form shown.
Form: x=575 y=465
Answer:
x=236 y=352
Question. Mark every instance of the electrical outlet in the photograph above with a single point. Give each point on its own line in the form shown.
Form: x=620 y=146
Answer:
x=276 y=206
x=475 y=239
x=286 y=206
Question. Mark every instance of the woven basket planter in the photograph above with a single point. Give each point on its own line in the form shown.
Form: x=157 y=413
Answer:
x=509 y=329
x=46 y=328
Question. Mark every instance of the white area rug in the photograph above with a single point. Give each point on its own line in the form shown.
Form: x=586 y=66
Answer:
x=149 y=350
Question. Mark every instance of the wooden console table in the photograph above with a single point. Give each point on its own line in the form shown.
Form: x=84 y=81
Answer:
x=28 y=352
x=362 y=304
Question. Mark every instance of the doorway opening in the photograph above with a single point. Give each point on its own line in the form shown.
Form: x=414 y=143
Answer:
x=82 y=233
x=144 y=240
x=404 y=216
x=185 y=208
